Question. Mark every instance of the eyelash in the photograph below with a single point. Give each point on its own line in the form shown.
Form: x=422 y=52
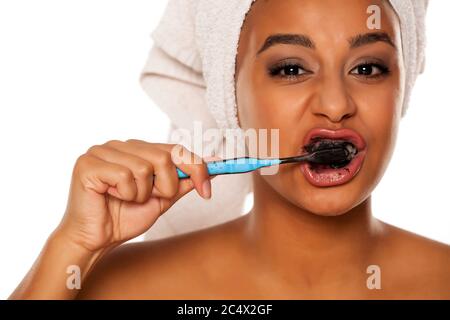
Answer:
x=384 y=70
x=275 y=70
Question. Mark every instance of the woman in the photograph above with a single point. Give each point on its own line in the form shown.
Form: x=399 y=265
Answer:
x=309 y=234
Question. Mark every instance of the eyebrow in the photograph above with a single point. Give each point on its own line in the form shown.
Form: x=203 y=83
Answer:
x=304 y=41
x=296 y=39
x=371 y=37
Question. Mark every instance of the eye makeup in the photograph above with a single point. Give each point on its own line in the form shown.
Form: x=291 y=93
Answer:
x=292 y=69
x=370 y=68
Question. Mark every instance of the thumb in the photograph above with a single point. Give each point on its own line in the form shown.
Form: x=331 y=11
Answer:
x=184 y=187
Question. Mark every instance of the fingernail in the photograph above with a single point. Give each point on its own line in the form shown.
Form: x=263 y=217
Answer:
x=206 y=189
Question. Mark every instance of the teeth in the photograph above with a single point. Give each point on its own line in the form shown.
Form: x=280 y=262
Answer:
x=351 y=150
x=323 y=144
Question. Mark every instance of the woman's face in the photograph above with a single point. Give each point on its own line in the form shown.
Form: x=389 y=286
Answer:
x=328 y=70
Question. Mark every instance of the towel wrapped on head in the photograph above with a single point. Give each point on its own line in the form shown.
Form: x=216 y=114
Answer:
x=189 y=74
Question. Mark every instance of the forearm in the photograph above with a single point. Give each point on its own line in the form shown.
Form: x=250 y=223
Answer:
x=54 y=273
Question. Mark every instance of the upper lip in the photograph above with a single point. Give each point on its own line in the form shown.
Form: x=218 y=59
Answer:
x=341 y=134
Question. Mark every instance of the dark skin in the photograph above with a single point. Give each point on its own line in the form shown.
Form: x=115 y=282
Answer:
x=299 y=241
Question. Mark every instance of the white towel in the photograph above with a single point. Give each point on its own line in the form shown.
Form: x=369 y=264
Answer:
x=189 y=74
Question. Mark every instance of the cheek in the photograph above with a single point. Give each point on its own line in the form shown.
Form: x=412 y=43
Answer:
x=383 y=127
x=268 y=109
x=268 y=106
x=379 y=109
x=261 y=104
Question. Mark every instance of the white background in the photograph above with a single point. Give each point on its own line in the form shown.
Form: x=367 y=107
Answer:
x=69 y=79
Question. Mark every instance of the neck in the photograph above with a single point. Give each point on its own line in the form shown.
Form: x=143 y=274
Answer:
x=287 y=237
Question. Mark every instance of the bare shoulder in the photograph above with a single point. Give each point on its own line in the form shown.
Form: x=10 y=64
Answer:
x=175 y=267
x=417 y=265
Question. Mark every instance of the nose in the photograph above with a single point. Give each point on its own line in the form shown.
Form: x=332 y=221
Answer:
x=333 y=100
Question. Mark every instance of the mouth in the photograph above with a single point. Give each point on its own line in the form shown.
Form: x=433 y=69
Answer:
x=336 y=171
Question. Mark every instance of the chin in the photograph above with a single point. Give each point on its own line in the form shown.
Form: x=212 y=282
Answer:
x=327 y=206
x=334 y=200
x=330 y=201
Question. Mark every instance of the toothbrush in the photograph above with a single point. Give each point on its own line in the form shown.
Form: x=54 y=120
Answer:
x=247 y=164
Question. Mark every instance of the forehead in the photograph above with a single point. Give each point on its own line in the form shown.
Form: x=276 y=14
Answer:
x=326 y=22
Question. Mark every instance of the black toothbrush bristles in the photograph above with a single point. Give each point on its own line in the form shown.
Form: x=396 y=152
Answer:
x=328 y=156
x=337 y=156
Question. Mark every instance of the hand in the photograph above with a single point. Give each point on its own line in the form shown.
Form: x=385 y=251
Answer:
x=119 y=190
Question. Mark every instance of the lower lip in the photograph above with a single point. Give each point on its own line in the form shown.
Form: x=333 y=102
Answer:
x=332 y=177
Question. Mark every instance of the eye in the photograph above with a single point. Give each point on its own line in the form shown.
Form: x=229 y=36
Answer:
x=287 y=70
x=370 y=70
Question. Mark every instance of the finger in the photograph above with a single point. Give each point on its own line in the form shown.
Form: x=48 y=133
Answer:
x=185 y=186
x=142 y=170
x=191 y=164
x=165 y=179
x=105 y=177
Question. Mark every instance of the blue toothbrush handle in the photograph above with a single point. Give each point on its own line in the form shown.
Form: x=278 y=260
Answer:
x=236 y=165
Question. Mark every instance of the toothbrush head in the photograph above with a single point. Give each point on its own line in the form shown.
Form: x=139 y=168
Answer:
x=337 y=156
